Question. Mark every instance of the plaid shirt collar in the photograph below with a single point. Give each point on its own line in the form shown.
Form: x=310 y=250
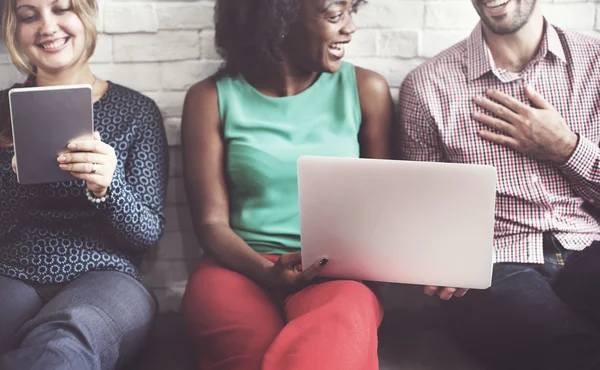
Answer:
x=479 y=57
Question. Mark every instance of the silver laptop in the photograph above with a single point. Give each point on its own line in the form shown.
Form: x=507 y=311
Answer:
x=44 y=121
x=398 y=221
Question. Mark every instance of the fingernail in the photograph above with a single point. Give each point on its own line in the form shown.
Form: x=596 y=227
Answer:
x=72 y=146
x=61 y=158
x=476 y=114
x=62 y=165
x=489 y=91
x=477 y=99
x=323 y=262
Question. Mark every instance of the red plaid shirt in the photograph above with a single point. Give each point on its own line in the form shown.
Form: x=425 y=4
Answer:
x=436 y=104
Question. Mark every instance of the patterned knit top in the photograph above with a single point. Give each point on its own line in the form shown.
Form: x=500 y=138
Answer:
x=51 y=233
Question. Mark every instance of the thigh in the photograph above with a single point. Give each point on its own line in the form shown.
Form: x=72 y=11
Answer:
x=232 y=319
x=104 y=316
x=349 y=297
x=578 y=284
x=333 y=324
x=19 y=302
x=520 y=321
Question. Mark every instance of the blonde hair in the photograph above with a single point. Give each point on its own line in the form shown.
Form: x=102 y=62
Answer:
x=86 y=10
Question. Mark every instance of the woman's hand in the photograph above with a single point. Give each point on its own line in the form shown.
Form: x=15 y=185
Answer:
x=92 y=161
x=14 y=163
x=287 y=273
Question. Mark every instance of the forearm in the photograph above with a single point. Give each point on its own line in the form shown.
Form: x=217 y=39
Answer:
x=135 y=224
x=231 y=251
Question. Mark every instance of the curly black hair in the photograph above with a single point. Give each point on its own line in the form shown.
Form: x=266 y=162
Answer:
x=249 y=33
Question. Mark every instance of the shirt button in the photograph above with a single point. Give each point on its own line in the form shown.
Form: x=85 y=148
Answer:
x=534 y=178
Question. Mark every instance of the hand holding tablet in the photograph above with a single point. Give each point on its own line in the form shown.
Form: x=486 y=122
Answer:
x=44 y=121
x=92 y=161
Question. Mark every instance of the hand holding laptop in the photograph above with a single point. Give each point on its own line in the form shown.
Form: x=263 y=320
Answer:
x=445 y=293
x=286 y=272
x=92 y=161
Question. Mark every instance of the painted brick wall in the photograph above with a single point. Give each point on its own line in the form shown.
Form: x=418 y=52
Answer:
x=162 y=47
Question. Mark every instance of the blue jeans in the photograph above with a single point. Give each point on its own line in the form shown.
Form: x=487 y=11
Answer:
x=544 y=317
x=98 y=321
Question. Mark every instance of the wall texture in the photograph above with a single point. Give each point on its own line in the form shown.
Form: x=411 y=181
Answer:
x=161 y=48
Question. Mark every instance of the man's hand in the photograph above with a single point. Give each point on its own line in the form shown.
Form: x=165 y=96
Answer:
x=538 y=131
x=445 y=293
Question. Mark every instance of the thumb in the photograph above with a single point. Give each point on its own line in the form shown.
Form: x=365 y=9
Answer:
x=537 y=99
x=97 y=136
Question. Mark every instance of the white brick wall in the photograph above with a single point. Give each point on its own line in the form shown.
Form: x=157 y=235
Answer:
x=162 y=47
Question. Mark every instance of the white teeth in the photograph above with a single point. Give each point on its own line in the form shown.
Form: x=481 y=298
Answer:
x=496 y=3
x=339 y=46
x=55 y=44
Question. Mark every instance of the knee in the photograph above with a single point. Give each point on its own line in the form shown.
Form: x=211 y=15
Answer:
x=356 y=303
x=202 y=286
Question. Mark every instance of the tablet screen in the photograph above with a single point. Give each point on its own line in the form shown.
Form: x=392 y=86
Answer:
x=44 y=121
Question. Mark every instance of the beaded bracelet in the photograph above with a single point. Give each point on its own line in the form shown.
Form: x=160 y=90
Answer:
x=94 y=199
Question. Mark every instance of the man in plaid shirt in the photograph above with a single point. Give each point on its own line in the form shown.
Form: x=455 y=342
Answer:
x=523 y=96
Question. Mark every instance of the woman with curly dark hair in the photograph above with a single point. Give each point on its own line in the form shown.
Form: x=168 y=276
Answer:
x=283 y=92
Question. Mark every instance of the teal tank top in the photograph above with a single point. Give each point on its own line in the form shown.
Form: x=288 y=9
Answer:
x=264 y=136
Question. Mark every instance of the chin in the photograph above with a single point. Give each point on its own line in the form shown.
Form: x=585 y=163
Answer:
x=332 y=67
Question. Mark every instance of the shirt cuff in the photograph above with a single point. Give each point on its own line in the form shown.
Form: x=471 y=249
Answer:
x=582 y=160
x=115 y=190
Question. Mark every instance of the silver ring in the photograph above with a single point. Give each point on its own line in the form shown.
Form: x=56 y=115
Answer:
x=93 y=171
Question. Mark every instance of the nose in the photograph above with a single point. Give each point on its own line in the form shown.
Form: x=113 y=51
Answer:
x=48 y=26
x=349 y=28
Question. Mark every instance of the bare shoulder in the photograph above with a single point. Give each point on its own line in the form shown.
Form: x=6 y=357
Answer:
x=202 y=90
x=371 y=83
x=201 y=107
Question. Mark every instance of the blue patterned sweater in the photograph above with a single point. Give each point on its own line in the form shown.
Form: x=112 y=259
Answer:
x=51 y=233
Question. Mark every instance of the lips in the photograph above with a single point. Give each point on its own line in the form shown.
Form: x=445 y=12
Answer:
x=495 y=3
x=496 y=7
x=53 y=45
x=338 y=49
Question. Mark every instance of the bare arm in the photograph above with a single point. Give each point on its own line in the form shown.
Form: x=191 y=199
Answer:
x=204 y=173
x=377 y=115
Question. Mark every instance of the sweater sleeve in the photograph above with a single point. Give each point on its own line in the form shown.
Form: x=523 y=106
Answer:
x=135 y=205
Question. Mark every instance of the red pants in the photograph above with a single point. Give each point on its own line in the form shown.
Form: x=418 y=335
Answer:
x=237 y=324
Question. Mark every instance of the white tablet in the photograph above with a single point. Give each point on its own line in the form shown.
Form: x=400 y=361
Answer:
x=398 y=221
x=44 y=121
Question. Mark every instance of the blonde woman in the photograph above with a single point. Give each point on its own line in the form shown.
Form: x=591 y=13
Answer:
x=70 y=290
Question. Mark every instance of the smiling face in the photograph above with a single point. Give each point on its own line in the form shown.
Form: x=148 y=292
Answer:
x=316 y=42
x=50 y=34
x=504 y=16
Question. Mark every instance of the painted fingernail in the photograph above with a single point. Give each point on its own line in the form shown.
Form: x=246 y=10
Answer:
x=323 y=262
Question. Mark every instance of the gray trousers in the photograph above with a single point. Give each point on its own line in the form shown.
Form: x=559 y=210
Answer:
x=96 y=322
